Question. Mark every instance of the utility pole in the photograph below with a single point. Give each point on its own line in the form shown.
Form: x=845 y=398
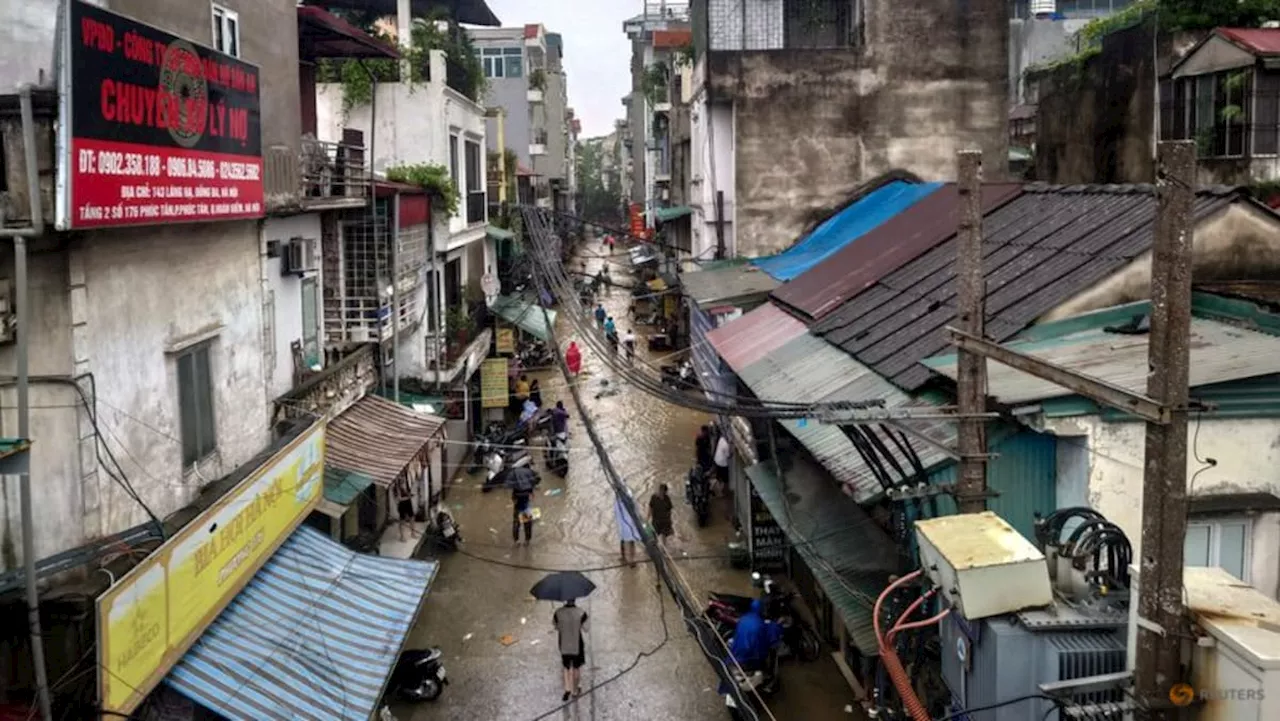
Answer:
x=971 y=377
x=1161 y=616
x=720 y=249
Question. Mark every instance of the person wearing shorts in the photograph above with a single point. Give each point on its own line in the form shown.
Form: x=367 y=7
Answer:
x=570 y=621
x=404 y=508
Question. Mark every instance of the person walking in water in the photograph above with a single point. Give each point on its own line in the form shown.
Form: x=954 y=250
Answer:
x=573 y=358
x=404 y=508
x=626 y=531
x=611 y=334
x=522 y=514
x=660 y=508
x=601 y=314
x=570 y=621
x=629 y=344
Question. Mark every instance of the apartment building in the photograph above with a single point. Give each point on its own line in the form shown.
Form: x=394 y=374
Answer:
x=525 y=77
x=661 y=41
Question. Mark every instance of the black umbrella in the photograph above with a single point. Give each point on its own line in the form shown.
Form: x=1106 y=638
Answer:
x=562 y=586
x=522 y=479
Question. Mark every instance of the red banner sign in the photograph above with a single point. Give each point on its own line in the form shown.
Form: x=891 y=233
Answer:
x=637 y=220
x=161 y=130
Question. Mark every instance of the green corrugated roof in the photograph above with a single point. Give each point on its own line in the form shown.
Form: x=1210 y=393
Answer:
x=497 y=233
x=662 y=215
x=11 y=446
x=525 y=315
x=852 y=566
x=343 y=487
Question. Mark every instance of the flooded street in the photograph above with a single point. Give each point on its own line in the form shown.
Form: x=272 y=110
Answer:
x=499 y=645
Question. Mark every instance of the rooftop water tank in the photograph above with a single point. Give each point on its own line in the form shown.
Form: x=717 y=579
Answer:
x=1043 y=8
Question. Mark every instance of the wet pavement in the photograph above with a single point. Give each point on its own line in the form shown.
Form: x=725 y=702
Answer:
x=499 y=646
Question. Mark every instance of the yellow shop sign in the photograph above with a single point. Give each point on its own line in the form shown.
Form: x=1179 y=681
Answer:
x=148 y=619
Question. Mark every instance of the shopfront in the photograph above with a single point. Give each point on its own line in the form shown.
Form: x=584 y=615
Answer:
x=209 y=613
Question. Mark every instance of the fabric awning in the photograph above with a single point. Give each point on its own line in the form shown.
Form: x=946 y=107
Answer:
x=314 y=635
x=852 y=566
x=378 y=438
x=498 y=233
x=525 y=315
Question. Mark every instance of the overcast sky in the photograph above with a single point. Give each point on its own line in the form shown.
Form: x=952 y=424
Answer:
x=597 y=56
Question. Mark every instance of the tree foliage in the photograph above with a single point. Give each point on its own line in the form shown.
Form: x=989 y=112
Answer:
x=600 y=202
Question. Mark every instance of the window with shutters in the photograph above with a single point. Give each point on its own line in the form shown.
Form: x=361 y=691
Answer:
x=195 y=404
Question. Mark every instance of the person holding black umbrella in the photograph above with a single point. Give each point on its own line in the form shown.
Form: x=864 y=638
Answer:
x=570 y=621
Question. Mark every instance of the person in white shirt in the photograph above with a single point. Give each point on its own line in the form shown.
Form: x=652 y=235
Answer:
x=723 y=453
x=629 y=343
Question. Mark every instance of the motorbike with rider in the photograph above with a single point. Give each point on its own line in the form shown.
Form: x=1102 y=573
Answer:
x=754 y=663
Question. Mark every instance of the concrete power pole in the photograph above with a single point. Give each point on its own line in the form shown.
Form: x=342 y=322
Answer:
x=971 y=377
x=1161 y=615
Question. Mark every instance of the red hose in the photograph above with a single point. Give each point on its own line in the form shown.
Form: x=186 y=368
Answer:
x=918 y=624
x=889 y=657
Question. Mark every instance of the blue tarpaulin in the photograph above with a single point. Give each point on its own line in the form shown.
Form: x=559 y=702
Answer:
x=845 y=227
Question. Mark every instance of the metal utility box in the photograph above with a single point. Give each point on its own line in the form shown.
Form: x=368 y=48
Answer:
x=983 y=566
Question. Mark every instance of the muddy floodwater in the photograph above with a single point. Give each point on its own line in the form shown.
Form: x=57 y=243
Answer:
x=499 y=646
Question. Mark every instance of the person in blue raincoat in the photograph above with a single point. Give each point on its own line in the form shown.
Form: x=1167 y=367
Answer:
x=754 y=638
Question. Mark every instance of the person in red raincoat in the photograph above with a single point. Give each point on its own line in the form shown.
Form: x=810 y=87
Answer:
x=573 y=358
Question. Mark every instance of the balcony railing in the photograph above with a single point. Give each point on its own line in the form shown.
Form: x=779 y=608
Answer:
x=457 y=77
x=448 y=346
x=476 y=206
x=332 y=171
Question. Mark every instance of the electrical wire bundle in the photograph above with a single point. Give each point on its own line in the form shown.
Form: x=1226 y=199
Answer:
x=1089 y=544
x=553 y=280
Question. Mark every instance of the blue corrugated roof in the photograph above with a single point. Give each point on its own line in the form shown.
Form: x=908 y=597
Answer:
x=314 y=635
x=845 y=227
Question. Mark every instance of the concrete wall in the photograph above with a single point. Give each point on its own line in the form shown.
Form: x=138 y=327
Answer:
x=1248 y=460
x=511 y=94
x=1096 y=118
x=711 y=169
x=554 y=163
x=1037 y=41
x=851 y=114
x=1242 y=242
x=415 y=122
x=282 y=302
x=118 y=305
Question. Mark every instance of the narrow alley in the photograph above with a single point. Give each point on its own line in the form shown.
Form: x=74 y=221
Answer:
x=481 y=593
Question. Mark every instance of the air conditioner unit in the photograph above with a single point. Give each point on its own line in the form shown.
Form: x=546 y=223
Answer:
x=296 y=256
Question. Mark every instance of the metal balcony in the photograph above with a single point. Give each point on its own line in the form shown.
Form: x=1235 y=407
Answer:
x=477 y=204
x=333 y=175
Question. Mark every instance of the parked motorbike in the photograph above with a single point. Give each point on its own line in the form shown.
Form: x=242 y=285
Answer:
x=681 y=376
x=499 y=450
x=484 y=444
x=697 y=491
x=446 y=530
x=556 y=445
x=798 y=637
x=419 y=675
x=535 y=354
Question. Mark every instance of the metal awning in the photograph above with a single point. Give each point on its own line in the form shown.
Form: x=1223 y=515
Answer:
x=314 y=635
x=852 y=566
x=468 y=12
x=664 y=215
x=341 y=489
x=735 y=285
x=525 y=315
x=322 y=34
x=378 y=438
x=497 y=233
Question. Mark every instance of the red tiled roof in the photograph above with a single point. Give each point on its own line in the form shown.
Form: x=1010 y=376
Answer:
x=1261 y=41
x=669 y=39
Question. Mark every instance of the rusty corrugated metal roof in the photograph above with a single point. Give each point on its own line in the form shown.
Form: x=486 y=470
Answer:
x=1261 y=41
x=746 y=340
x=807 y=369
x=895 y=242
x=1041 y=249
x=379 y=438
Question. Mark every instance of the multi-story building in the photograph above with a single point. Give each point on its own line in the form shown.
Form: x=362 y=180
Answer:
x=433 y=121
x=659 y=38
x=525 y=76
x=776 y=150
x=148 y=329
